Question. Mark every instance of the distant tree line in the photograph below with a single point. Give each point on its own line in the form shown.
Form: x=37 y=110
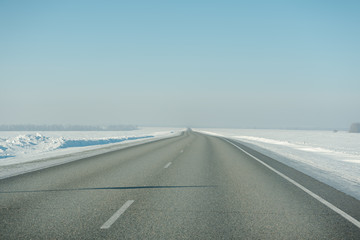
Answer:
x=59 y=127
x=355 y=128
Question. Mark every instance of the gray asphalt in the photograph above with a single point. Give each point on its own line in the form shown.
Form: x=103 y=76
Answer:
x=211 y=190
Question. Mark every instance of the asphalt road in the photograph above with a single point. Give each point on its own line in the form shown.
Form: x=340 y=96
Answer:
x=189 y=187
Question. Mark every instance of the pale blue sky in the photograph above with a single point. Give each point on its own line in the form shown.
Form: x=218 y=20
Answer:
x=273 y=64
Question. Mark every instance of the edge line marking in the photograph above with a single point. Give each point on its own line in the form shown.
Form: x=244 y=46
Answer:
x=116 y=215
x=317 y=197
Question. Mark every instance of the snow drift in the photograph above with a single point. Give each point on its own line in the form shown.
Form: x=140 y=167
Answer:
x=30 y=143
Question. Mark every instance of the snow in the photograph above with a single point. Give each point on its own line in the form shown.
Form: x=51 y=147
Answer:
x=330 y=157
x=333 y=158
x=26 y=151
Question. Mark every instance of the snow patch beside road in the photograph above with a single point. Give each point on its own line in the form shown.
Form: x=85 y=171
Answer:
x=22 y=152
x=332 y=158
x=24 y=146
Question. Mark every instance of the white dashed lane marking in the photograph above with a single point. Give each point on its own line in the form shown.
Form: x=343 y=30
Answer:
x=167 y=165
x=116 y=215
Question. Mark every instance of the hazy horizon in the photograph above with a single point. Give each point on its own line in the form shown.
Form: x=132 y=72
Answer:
x=229 y=64
x=130 y=127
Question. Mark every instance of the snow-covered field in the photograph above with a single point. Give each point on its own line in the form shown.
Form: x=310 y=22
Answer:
x=330 y=157
x=333 y=158
x=24 y=151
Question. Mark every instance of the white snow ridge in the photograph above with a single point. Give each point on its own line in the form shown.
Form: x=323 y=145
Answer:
x=29 y=144
x=18 y=149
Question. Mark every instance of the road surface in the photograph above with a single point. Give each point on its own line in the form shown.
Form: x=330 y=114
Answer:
x=192 y=186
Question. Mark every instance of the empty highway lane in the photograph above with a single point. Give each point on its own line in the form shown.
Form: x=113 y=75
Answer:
x=193 y=186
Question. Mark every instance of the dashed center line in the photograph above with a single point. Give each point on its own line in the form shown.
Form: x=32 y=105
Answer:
x=167 y=165
x=116 y=215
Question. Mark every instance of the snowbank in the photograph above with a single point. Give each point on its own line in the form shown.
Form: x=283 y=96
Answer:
x=25 y=147
x=33 y=143
x=333 y=158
